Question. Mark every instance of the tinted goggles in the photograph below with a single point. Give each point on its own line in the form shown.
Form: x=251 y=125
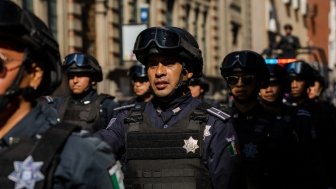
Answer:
x=245 y=79
x=78 y=59
x=163 y=39
x=295 y=68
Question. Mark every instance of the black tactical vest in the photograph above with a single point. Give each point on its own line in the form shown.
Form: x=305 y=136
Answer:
x=46 y=150
x=156 y=157
x=85 y=115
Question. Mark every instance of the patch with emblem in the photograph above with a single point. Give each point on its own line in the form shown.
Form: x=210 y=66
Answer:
x=232 y=147
x=206 y=132
x=190 y=145
x=250 y=150
x=26 y=173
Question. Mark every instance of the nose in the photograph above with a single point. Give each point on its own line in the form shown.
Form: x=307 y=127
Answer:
x=160 y=70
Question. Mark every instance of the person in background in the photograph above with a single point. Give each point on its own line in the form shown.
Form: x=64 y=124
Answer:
x=198 y=87
x=288 y=43
x=315 y=129
x=315 y=92
x=84 y=106
x=245 y=73
x=174 y=140
x=282 y=136
x=35 y=152
x=140 y=84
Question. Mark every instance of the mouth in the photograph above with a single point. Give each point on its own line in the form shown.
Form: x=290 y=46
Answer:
x=161 y=84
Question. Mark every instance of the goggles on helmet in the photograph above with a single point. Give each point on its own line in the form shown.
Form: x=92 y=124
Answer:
x=295 y=68
x=164 y=39
x=81 y=61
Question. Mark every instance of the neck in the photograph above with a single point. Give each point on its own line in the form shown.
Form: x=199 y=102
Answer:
x=245 y=106
x=14 y=113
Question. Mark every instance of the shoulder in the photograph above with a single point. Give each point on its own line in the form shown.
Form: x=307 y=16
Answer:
x=213 y=111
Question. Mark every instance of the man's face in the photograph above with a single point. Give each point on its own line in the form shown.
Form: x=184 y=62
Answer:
x=164 y=74
x=196 y=90
x=140 y=86
x=79 y=82
x=315 y=90
x=242 y=85
x=271 y=93
x=298 y=87
x=10 y=59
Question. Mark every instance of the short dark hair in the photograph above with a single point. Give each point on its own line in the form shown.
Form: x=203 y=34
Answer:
x=288 y=26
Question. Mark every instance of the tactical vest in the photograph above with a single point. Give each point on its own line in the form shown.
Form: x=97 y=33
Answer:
x=85 y=115
x=46 y=150
x=157 y=158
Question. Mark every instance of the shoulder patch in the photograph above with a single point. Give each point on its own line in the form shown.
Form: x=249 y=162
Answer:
x=128 y=106
x=218 y=113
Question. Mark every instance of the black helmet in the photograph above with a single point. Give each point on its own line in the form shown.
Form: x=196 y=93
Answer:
x=41 y=46
x=83 y=63
x=249 y=62
x=137 y=71
x=201 y=82
x=170 y=41
x=302 y=70
x=277 y=73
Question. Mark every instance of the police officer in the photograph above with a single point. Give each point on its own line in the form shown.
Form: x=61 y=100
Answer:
x=85 y=107
x=140 y=84
x=34 y=153
x=283 y=139
x=316 y=91
x=246 y=73
x=174 y=140
x=198 y=87
x=288 y=43
x=315 y=127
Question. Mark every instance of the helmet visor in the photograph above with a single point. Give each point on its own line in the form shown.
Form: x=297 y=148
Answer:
x=164 y=39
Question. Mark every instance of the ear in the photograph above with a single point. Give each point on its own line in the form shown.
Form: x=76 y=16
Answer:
x=36 y=76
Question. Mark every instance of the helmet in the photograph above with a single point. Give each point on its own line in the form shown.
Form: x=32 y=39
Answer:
x=247 y=61
x=277 y=73
x=41 y=46
x=169 y=41
x=301 y=69
x=201 y=82
x=83 y=63
x=137 y=71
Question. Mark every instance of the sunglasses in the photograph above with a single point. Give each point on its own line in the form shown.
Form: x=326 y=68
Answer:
x=163 y=38
x=3 y=61
x=245 y=79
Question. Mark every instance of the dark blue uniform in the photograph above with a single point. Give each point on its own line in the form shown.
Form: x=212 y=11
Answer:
x=84 y=161
x=89 y=110
x=254 y=136
x=217 y=144
x=315 y=127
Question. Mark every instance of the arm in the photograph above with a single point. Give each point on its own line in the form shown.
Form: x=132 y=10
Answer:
x=114 y=134
x=84 y=164
x=221 y=153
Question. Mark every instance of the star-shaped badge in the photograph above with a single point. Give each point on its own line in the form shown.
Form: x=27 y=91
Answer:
x=26 y=173
x=250 y=150
x=206 y=131
x=190 y=145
